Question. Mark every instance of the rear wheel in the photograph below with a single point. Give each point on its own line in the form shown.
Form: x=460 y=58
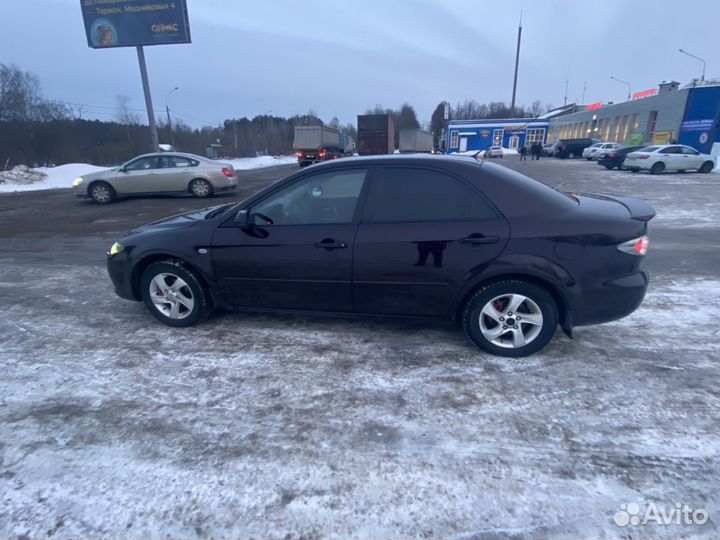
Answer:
x=201 y=188
x=102 y=192
x=174 y=294
x=707 y=167
x=571 y=155
x=510 y=318
x=657 y=168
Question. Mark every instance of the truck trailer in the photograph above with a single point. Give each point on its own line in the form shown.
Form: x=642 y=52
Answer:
x=376 y=134
x=318 y=143
x=415 y=140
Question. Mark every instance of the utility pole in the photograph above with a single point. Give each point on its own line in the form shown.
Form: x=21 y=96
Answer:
x=566 y=89
x=148 y=99
x=583 y=94
x=517 y=62
x=167 y=110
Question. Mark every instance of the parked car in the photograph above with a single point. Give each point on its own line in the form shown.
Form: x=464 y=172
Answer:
x=606 y=148
x=673 y=157
x=616 y=158
x=434 y=237
x=594 y=151
x=158 y=174
x=494 y=152
x=572 y=148
x=549 y=150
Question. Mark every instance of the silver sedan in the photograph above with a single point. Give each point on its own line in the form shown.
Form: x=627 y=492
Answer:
x=158 y=174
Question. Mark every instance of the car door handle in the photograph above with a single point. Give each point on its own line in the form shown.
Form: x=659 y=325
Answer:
x=479 y=240
x=329 y=243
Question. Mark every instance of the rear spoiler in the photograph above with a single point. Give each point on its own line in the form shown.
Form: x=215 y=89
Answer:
x=639 y=210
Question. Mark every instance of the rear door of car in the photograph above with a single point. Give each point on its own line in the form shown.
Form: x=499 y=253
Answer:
x=175 y=173
x=672 y=157
x=423 y=234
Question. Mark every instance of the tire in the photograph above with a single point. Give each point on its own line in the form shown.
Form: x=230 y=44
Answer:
x=657 y=168
x=707 y=167
x=187 y=303
x=489 y=304
x=571 y=155
x=608 y=167
x=634 y=170
x=201 y=188
x=102 y=192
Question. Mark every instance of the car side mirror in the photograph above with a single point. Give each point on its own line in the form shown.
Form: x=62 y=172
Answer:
x=243 y=219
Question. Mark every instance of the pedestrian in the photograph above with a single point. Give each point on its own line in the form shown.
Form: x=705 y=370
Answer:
x=523 y=153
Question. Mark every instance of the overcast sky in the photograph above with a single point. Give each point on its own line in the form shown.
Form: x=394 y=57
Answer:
x=341 y=58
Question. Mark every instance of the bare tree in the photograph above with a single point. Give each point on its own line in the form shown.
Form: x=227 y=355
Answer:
x=124 y=114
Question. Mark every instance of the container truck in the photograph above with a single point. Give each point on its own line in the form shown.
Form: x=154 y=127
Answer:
x=317 y=143
x=376 y=134
x=415 y=140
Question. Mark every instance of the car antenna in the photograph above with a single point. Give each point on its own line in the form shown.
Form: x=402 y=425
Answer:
x=476 y=154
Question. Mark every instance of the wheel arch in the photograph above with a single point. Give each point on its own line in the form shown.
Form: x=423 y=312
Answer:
x=198 y=177
x=99 y=180
x=142 y=264
x=564 y=313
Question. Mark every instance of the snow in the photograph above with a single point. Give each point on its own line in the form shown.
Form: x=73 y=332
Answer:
x=62 y=176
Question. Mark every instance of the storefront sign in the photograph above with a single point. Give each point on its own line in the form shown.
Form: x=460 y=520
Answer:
x=594 y=106
x=698 y=125
x=644 y=93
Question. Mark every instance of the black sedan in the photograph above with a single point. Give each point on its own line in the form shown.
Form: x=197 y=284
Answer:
x=407 y=236
x=616 y=157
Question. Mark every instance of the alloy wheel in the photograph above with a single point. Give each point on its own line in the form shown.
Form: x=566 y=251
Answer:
x=101 y=193
x=511 y=321
x=171 y=296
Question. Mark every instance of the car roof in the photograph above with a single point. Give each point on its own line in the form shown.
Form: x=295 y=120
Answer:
x=176 y=154
x=398 y=159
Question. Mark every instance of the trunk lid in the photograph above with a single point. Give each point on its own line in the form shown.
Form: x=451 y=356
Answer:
x=639 y=210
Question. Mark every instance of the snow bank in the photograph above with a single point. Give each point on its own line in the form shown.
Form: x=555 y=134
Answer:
x=52 y=177
x=24 y=179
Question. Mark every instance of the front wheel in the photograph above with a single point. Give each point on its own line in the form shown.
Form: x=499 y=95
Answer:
x=510 y=318
x=102 y=193
x=707 y=167
x=174 y=294
x=201 y=188
x=571 y=155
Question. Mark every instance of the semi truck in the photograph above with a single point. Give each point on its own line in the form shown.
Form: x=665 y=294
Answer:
x=415 y=140
x=376 y=134
x=319 y=143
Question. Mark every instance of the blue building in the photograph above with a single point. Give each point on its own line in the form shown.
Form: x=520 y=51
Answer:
x=467 y=135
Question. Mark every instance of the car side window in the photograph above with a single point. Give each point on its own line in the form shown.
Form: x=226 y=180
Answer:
x=143 y=164
x=330 y=197
x=670 y=150
x=416 y=195
x=689 y=151
x=178 y=161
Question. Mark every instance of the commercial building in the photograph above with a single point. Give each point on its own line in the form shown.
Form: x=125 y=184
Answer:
x=467 y=135
x=689 y=116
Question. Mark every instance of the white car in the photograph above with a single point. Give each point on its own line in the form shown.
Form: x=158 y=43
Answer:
x=494 y=151
x=594 y=151
x=605 y=149
x=673 y=157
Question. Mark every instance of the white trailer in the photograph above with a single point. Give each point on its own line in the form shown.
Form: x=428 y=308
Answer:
x=415 y=140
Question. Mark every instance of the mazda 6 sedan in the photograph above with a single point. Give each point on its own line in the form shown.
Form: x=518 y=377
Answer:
x=425 y=237
x=163 y=173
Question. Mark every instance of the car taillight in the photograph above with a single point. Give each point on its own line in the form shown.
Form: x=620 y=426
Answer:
x=227 y=172
x=298 y=154
x=637 y=246
x=612 y=154
x=322 y=153
x=643 y=157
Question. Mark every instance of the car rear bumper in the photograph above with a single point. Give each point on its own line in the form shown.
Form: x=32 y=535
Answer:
x=611 y=300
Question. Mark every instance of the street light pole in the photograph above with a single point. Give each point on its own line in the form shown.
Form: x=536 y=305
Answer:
x=265 y=130
x=702 y=77
x=624 y=82
x=167 y=110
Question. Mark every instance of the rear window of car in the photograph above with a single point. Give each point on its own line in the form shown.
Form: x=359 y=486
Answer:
x=596 y=145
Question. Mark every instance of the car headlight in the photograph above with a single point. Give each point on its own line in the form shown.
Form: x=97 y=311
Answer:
x=77 y=181
x=116 y=248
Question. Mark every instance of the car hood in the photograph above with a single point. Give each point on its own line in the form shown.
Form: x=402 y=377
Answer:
x=98 y=174
x=178 y=221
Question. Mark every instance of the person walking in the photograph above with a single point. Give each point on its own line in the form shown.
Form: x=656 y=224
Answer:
x=523 y=153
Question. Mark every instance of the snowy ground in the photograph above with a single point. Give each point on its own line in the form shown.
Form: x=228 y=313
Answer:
x=62 y=176
x=115 y=426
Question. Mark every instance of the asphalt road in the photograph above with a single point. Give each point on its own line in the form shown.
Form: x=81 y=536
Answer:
x=115 y=426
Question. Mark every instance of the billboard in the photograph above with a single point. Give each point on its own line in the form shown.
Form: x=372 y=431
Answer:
x=129 y=23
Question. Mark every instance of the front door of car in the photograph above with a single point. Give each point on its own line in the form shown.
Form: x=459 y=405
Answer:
x=423 y=234
x=294 y=248
x=691 y=158
x=138 y=176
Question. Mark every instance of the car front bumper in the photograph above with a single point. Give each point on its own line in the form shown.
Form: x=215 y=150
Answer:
x=119 y=269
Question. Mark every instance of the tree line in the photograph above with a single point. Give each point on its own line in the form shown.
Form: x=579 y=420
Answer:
x=36 y=131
